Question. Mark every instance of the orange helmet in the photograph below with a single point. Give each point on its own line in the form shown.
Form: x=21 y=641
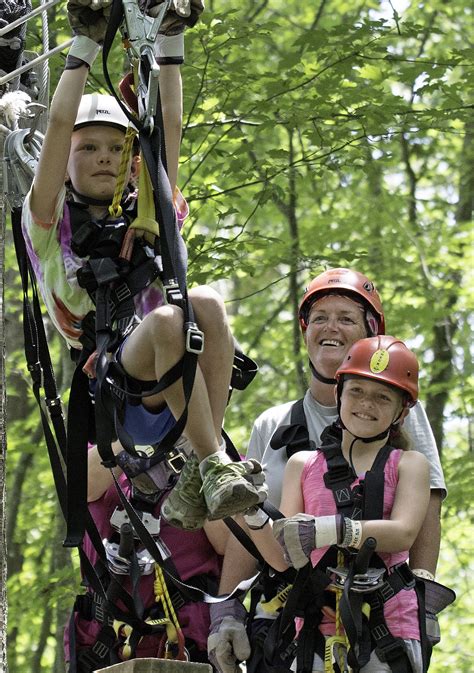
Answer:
x=384 y=359
x=346 y=282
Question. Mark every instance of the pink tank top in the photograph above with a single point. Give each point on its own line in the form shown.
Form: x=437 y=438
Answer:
x=401 y=611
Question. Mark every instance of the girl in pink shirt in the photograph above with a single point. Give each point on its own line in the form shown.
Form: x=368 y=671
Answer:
x=377 y=384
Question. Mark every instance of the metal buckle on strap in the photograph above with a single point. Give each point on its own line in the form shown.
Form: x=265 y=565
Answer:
x=52 y=402
x=100 y=649
x=194 y=338
x=406 y=575
x=172 y=293
x=175 y=460
x=122 y=292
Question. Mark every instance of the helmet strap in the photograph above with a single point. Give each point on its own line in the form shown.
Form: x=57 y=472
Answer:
x=320 y=377
x=371 y=323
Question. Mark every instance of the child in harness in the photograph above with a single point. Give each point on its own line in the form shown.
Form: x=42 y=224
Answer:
x=367 y=485
x=68 y=228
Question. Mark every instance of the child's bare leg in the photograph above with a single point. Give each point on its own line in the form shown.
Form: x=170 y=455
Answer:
x=154 y=347
x=216 y=360
x=214 y=489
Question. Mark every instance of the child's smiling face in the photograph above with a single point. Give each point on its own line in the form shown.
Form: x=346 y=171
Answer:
x=369 y=407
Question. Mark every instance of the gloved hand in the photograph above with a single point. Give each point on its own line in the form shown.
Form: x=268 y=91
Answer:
x=433 y=632
x=437 y=598
x=300 y=534
x=89 y=18
x=182 y=13
x=228 y=642
x=256 y=476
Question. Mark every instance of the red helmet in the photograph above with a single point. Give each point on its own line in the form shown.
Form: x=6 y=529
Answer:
x=385 y=359
x=346 y=282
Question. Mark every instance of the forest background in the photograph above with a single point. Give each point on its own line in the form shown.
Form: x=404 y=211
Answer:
x=318 y=134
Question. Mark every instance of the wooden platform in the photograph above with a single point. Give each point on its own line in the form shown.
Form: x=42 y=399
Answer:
x=156 y=666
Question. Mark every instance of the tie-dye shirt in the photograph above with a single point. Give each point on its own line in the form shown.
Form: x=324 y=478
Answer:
x=55 y=266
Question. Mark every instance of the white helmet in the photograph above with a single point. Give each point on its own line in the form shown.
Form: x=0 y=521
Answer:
x=96 y=108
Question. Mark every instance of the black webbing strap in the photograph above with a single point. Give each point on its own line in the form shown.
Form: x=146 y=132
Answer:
x=306 y=596
x=40 y=367
x=373 y=487
x=76 y=463
x=192 y=594
x=294 y=436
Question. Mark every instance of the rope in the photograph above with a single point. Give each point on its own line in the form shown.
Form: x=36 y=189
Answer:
x=173 y=629
x=43 y=95
x=115 y=209
x=336 y=646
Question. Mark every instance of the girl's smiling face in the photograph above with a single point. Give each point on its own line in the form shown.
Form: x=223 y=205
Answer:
x=368 y=407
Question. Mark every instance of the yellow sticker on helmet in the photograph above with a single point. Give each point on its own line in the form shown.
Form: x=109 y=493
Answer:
x=379 y=361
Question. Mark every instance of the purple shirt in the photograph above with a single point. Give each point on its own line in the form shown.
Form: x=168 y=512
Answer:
x=192 y=554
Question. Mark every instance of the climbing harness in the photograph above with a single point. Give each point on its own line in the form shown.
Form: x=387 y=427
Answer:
x=360 y=594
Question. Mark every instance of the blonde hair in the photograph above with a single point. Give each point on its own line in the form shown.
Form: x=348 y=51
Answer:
x=399 y=438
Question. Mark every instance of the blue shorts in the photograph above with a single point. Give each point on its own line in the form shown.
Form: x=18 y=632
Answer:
x=146 y=427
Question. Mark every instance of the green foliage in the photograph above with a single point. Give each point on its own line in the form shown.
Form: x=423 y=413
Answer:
x=314 y=136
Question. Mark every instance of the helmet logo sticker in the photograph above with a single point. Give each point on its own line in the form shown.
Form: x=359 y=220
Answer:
x=379 y=361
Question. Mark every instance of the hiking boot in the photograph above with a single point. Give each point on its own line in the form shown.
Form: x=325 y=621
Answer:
x=185 y=507
x=228 y=487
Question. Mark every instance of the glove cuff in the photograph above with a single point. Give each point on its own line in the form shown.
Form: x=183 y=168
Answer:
x=352 y=534
x=231 y=607
x=423 y=574
x=256 y=518
x=169 y=49
x=84 y=50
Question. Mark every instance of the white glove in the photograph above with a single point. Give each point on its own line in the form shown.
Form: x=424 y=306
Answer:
x=228 y=642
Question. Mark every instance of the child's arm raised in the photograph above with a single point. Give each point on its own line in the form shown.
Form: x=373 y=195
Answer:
x=52 y=165
x=89 y=28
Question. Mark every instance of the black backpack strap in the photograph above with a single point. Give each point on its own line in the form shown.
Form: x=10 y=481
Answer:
x=295 y=435
x=373 y=487
x=338 y=478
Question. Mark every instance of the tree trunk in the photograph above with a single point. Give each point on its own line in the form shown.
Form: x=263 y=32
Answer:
x=294 y=284
x=444 y=331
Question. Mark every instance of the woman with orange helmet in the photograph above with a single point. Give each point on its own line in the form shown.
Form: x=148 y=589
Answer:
x=377 y=386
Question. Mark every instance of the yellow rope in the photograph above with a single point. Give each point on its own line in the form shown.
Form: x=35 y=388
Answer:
x=162 y=594
x=337 y=645
x=115 y=209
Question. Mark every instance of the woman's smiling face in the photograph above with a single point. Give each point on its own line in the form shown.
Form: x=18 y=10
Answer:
x=335 y=323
